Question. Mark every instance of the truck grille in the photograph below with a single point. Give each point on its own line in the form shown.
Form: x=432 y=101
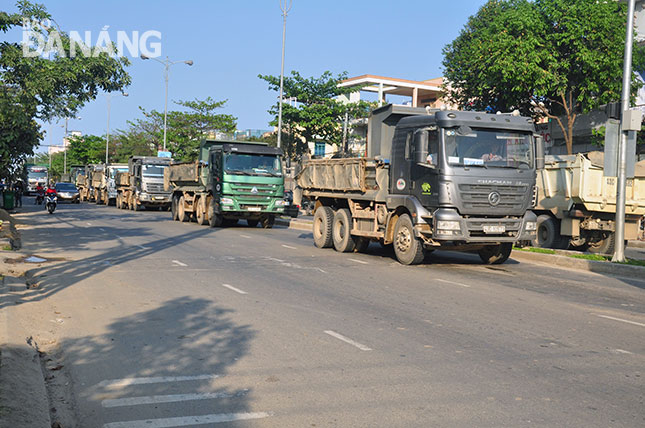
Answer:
x=475 y=227
x=154 y=187
x=475 y=196
x=246 y=190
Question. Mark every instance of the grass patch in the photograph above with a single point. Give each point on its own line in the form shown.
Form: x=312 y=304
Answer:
x=6 y=248
x=595 y=257
x=535 y=250
x=633 y=262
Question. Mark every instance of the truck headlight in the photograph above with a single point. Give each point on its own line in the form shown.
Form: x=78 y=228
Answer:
x=448 y=225
x=531 y=225
x=226 y=201
x=144 y=196
x=280 y=203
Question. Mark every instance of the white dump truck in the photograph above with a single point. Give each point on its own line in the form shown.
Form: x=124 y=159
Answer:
x=576 y=203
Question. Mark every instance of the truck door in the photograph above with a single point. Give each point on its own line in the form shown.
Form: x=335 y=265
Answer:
x=215 y=163
x=424 y=176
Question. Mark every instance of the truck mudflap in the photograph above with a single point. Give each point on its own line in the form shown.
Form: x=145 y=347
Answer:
x=449 y=225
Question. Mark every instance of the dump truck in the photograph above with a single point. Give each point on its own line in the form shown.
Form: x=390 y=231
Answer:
x=230 y=181
x=432 y=179
x=142 y=186
x=576 y=203
x=104 y=187
x=36 y=175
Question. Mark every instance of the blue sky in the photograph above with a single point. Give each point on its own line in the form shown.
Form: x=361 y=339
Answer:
x=231 y=42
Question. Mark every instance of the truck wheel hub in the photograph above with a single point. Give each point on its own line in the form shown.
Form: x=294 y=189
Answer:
x=403 y=239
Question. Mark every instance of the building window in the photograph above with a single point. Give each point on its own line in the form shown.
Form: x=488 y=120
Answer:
x=320 y=149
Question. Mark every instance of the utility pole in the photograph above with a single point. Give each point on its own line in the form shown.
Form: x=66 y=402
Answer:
x=285 y=7
x=619 y=255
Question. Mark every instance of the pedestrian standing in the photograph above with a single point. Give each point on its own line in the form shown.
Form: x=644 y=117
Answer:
x=17 y=188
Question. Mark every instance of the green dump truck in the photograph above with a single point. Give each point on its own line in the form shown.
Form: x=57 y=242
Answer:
x=232 y=180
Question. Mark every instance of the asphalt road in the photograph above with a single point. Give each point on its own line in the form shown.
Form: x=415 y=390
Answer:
x=157 y=323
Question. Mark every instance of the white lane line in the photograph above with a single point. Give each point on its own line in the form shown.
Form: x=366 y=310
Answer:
x=622 y=320
x=359 y=261
x=347 y=340
x=289 y=247
x=142 y=247
x=188 y=420
x=157 y=399
x=89 y=224
x=178 y=263
x=101 y=229
x=245 y=236
x=148 y=380
x=622 y=351
x=452 y=282
x=237 y=290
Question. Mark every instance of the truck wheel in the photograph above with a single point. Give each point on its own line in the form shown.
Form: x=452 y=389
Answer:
x=362 y=244
x=201 y=212
x=496 y=254
x=173 y=209
x=267 y=222
x=340 y=231
x=252 y=222
x=181 y=210
x=408 y=249
x=607 y=245
x=97 y=200
x=548 y=234
x=214 y=220
x=323 y=218
x=119 y=202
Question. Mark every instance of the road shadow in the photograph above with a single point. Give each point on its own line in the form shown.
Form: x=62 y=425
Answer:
x=44 y=237
x=183 y=346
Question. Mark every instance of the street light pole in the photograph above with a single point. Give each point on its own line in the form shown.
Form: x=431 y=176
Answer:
x=285 y=7
x=621 y=185
x=167 y=63
x=108 y=96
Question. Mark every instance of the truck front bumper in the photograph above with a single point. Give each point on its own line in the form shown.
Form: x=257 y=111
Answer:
x=231 y=206
x=154 y=198
x=448 y=225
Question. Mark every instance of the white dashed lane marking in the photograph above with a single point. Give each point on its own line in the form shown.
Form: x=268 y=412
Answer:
x=622 y=320
x=289 y=247
x=237 y=290
x=359 y=261
x=452 y=282
x=348 y=340
x=149 y=380
x=178 y=263
x=188 y=420
x=157 y=399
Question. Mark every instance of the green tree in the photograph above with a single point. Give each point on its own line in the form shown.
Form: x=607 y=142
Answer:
x=553 y=58
x=186 y=128
x=317 y=114
x=39 y=87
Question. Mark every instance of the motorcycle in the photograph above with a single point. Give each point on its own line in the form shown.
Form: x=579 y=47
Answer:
x=39 y=198
x=51 y=203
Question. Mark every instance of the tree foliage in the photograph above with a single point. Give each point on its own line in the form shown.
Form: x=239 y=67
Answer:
x=39 y=87
x=543 y=57
x=317 y=114
x=185 y=129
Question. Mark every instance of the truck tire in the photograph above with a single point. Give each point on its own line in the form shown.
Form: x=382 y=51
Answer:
x=548 y=234
x=201 y=212
x=181 y=210
x=136 y=206
x=119 y=201
x=214 y=220
x=604 y=246
x=252 y=222
x=267 y=221
x=408 y=249
x=323 y=219
x=173 y=209
x=362 y=243
x=496 y=254
x=340 y=231
x=97 y=200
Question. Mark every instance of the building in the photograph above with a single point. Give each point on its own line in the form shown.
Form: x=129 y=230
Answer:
x=63 y=147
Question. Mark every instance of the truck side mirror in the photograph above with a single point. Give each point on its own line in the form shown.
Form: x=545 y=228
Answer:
x=539 y=152
x=421 y=146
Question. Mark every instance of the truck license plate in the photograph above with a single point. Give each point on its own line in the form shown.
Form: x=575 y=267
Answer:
x=254 y=209
x=494 y=229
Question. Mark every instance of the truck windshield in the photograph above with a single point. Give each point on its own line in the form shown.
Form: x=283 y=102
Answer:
x=153 y=170
x=246 y=164
x=113 y=171
x=488 y=148
x=37 y=175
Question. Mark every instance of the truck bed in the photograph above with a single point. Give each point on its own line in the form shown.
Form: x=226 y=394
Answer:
x=361 y=178
x=182 y=174
x=569 y=180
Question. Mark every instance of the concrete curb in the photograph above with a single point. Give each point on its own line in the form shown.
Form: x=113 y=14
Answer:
x=294 y=224
x=636 y=244
x=580 y=264
x=23 y=396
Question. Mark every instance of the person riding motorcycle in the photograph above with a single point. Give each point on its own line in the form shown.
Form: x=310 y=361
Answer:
x=39 y=193
x=51 y=191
